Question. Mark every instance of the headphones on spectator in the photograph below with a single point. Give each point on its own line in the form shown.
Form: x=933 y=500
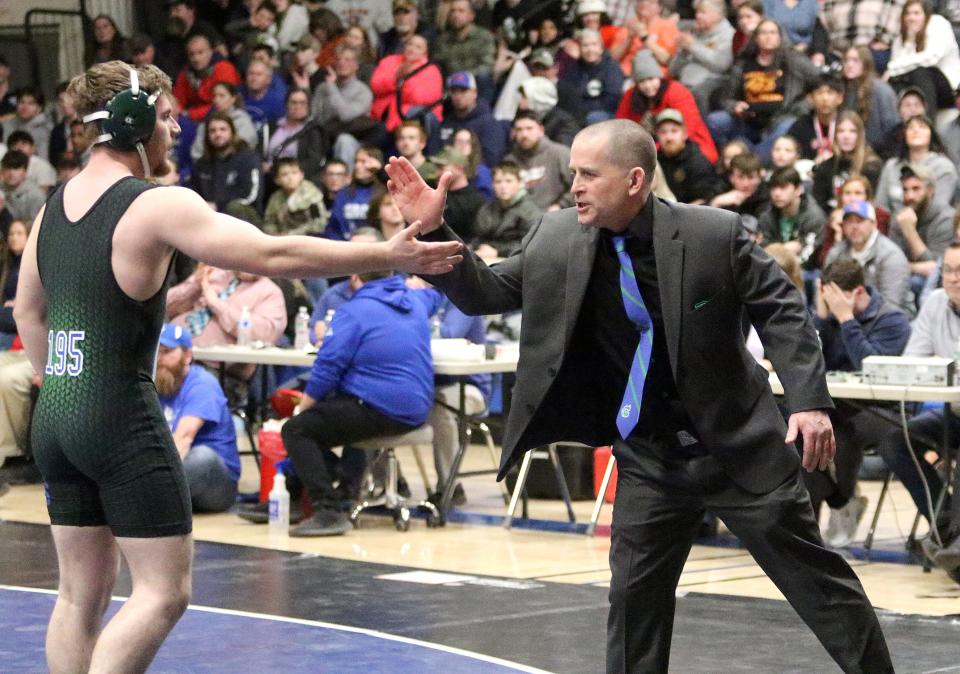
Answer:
x=128 y=120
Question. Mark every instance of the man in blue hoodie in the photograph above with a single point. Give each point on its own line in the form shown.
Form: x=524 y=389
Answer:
x=373 y=376
x=466 y=111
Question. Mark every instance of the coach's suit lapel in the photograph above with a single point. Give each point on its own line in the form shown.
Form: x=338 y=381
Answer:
x=668 y=251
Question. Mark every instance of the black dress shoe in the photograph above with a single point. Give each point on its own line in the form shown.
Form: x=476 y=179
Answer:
x=325 y=522
x=458 y=499
x=259 y=513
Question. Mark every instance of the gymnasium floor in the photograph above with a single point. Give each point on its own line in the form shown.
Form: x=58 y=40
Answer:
x=470 y=597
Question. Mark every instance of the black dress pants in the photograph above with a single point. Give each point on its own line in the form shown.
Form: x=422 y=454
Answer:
x=310 y=436
x=662 y=493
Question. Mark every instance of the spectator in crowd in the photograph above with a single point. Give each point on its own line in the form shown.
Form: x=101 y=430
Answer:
x=786 y=153
x=647 y=29
x=209 y=303
x=303 y=71
x=60 y=135
x=934 y=334
x=39 y=170
x=297 y=207
x=258 y=27
x=855 y=188
x=851 y=155
x=411 y=141
x=107 y=43
x=373 y=376
x=263 y=94
x=851 y=23
x=8 y=100
x=688 y=173
x=924 y=226
x=592 y=14
x=596 y=78
x=228 y=173
x=502 y=223
x=80 y=143
x=885 y=267
x=543 y=64
x=653 y=93
x=341 y=106
x=226 y=99
x=196 y=410
x=383 y=216
x=297 y=135
x=194 y=85
x=814 y=131
x=921 y=145
x=352 y=203
x=327 y=29
x=463 y=45
x=764 y=92
x=540 y=95
x=464 y=200
x=793 y=218
x=871 y=98
x=466 y=142
x=748 y=194
x=31 y=118
x=22 y=197
x=797 y=18
x=949 y=133
x=925 y=55
x=293 y=22
x=15 y=241
x=359 y=39
x=66 y=169
x=333 y=178
x=406 y=22
x=543 y=163
x=748 y=16
x=372 y=16
x=142 y=50
x=465 y=110
x=410 y=81
x=705 y=55
x=853 y=321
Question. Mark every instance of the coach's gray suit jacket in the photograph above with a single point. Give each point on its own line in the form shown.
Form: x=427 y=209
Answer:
x=709 y=274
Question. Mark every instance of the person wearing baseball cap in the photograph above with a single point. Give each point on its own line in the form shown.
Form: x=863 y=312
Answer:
x=688 y=173
x=196 y=410
x=924 y=224
x=406 y=22
x=885 y=266
x=463 y=199
x=653 y=93
x=465 y=110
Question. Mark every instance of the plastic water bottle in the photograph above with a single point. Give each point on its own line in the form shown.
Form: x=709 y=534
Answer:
x=436 y=325
x=301 y=339
x=328 y=318
x=279 y=521
x=243 y=327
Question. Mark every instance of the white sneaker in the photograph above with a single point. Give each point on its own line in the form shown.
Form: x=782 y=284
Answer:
x=842 y=528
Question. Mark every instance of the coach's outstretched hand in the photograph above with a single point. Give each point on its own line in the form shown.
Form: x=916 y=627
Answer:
x=419 y=257
x=415 y=199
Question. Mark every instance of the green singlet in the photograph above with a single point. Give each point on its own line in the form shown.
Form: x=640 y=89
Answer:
x=99 y=436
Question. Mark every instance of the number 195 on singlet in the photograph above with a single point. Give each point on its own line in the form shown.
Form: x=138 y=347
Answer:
x=63 y=352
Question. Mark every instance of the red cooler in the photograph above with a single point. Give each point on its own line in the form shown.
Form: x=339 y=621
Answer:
x=601 y=455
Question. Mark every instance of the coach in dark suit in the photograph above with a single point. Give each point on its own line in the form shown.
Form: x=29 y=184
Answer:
x=708 y=434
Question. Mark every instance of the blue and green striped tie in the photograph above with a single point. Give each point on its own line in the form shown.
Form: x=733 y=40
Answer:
x=637 y=312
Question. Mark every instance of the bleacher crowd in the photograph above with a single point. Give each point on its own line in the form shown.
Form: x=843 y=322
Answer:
x=830 y=126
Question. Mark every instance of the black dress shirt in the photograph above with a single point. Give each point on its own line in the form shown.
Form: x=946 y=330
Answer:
x=604 y=323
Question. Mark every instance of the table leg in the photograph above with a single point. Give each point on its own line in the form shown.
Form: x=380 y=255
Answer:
x=601 y=496
x=451 y=482
x=518 y=488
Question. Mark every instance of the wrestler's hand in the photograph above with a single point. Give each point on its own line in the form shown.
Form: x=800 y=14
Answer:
x=419 y=257
x=819 y=445
x=415 y=199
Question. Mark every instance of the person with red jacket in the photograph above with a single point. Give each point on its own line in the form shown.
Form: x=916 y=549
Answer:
x=194 y=85
x=653 y=93
x=419 y=82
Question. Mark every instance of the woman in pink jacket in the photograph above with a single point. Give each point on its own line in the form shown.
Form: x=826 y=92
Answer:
x=410 y=81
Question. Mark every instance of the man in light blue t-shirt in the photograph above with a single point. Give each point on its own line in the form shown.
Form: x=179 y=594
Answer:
x=196 y=410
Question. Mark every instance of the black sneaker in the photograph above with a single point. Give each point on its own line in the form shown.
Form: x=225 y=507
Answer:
x=259 y=513
x=324 y=522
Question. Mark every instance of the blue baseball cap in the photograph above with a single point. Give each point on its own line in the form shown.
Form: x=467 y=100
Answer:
x=462 y=80
x=173 y=336
x=861 y=208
